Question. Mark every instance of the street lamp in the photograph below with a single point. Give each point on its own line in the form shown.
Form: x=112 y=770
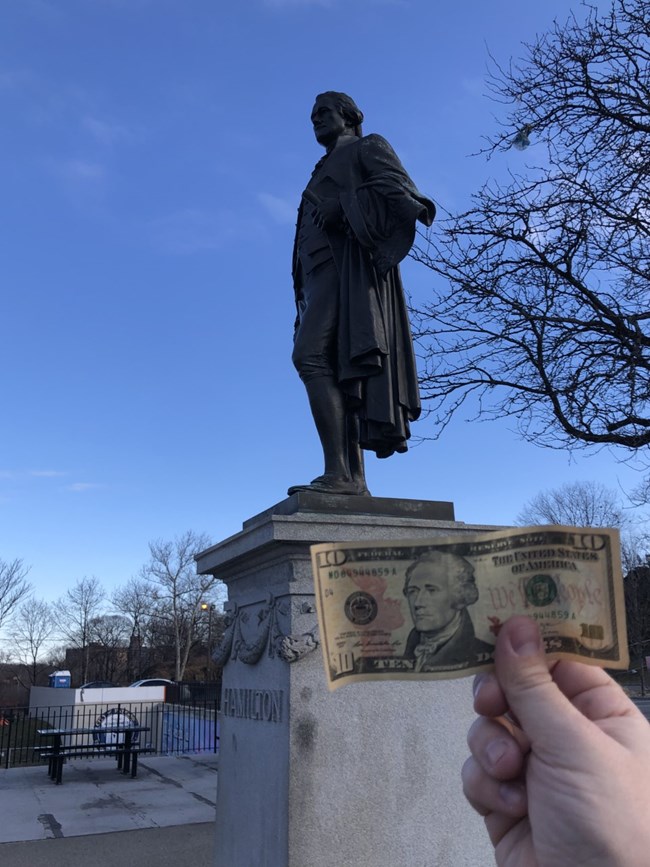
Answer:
x=209 y=607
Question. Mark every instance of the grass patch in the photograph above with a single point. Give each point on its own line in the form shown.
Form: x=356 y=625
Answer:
x=18 y=737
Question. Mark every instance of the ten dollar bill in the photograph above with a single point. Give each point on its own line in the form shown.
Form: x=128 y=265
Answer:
x=432 y=609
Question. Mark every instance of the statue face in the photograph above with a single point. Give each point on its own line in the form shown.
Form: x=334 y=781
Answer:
x=328 y=122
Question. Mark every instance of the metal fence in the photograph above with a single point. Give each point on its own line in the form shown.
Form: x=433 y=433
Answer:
x=194 y=692
x=173 y=728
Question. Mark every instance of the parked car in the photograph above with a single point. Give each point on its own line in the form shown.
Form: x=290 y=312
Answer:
x=153 y=681
x=174 y=692
x=98 y=684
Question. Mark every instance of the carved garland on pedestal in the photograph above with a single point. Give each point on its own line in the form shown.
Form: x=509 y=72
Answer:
x=269 y=636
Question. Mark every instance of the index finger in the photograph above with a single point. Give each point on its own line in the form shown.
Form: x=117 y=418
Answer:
x=489 y=698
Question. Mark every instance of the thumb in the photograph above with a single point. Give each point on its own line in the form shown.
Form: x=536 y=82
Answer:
x=545 y=714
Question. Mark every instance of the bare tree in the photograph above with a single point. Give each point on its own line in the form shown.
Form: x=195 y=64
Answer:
x=635 y=546
x=13 y=587
x=33 y=625
x=75 y=612
x=55 y=657
x=640 y=496
x=138 y=602
x=180 y=590
x=637 y=610
x=109 y=636
x=542 y=313
x=579 y=504
x=590 y=504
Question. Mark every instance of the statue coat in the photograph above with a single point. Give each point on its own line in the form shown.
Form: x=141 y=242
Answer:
x=375 y=360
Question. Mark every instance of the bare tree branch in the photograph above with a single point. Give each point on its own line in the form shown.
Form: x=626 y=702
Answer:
x=31 y=628
x=13 y=587
x=541 y=313
x=578 y=504
x=172 y=571
x=75 y=612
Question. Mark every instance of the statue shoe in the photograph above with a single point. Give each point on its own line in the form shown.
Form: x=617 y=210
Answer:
x=328 y=484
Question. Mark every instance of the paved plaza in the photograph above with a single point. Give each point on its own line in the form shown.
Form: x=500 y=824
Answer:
x=163 y=817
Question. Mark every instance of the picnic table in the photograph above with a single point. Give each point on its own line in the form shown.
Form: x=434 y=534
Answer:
x=126 y=751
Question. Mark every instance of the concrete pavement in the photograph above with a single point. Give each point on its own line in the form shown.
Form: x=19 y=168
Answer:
x=164 y=816
x=175 y=846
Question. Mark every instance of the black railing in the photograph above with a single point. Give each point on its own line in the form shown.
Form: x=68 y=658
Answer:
x=173 y=728
x=194 y=692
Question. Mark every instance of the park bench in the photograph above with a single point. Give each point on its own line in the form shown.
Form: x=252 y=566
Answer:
x=126 y=751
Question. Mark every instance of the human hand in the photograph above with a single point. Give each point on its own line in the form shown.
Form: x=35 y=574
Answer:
x=564 y=779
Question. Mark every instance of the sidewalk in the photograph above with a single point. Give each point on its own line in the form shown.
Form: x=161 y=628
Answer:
x=176 y=846
x=169 y=810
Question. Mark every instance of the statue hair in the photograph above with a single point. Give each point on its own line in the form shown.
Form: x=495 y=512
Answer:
x=347 y=107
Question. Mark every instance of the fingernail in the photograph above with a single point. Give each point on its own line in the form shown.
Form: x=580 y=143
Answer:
x=495 y=751
x=479 y=680
x=512 y=794
x=525 y=639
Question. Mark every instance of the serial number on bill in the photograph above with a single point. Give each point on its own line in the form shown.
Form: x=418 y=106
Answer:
x=376 y=572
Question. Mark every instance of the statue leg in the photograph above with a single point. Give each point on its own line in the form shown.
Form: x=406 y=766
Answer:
x=331 y=419
x=328 y=409
x=355 y=456
x=313 y=352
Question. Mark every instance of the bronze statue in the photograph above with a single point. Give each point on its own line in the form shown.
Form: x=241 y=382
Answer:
x=352 y=343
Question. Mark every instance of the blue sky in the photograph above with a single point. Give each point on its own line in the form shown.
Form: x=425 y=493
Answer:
x=153 y=154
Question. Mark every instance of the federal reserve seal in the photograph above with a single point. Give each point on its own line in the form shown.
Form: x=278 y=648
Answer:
x=360 y=608
x=541 y=590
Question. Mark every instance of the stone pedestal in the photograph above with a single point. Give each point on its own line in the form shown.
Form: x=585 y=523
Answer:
x=367 y=776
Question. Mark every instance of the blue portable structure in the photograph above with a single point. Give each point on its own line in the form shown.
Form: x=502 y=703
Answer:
x=60 y=679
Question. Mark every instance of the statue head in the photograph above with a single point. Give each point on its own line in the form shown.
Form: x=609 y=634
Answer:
x=335 y=114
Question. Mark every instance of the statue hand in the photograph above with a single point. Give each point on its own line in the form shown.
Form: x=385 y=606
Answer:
x=327 y=213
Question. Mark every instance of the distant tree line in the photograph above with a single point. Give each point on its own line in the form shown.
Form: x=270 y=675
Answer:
x=165 y=620
x=158 y=624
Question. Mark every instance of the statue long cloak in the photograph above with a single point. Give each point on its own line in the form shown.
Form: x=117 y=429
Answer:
x=375 y=360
